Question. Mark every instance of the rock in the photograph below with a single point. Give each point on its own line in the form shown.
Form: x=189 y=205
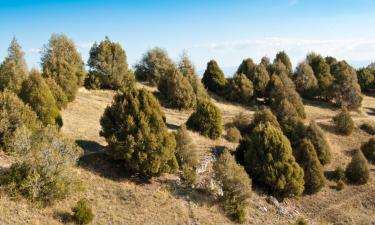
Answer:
x=273 y=201
x=204 y=165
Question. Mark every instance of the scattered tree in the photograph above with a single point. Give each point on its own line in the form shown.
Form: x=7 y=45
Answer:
x=306 y=82
x=213 y=78
x=321 y=146
x=206 y=120
x=135 y=131
x=368 y=149
x=366 y=79
x=236 y=186
x=357 y=170
x=344 y=122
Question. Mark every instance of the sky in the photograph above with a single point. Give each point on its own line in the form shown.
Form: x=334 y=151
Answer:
x=225 y=30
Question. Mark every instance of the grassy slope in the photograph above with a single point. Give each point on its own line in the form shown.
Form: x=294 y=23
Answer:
x=120 y=200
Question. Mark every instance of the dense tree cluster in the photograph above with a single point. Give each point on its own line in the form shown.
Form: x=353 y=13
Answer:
x=239 y=89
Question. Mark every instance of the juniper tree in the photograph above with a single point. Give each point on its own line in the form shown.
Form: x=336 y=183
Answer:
x=247 y=67
x=240 y=89
x=58 y=93
x=366 y=79
x=321 y=146
x=153 y=65
x=306 y=82
x=322 y=73
x=357 y=170
x=344 y=122
x=62 y=62
x=108 y=66
x=136 y=134
x=284 y=59
x=269 y=160
x=206 y=120
x=260 y=80
x=368 y=149
x=213 y=78
x=13 y=70
x=37 y=94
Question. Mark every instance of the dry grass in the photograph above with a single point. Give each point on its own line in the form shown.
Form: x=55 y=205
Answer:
x=119 y=199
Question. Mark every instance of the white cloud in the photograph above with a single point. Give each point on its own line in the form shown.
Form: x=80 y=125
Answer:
x=35 y=50
x=85 y=44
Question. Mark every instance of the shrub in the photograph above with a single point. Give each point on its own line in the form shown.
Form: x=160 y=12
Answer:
x=262 y=116
x=213 y=78
x=247 y=67
x=269 y=160
x=206 y=120
x=37 y=94
x=187 y=155
x=369 y=128
x=300 y=221
x=236 y=186
x=344 y=122
x=233 y=135
x=14 y=116
x=306 y=82
x=134 y=129
x=357 y=170
x=82 y=212
x=13 y=70
x=62 y=62
x=44 y=171
x=239 y=89
x=241 y=121
x=313 y=171
x=108 y=66
x=58 y=93
x=177 y=90
x=368 y=149
x=321 y=146
x=365 y=79
x=260 y=80
x=339 y=177
x=153 y=65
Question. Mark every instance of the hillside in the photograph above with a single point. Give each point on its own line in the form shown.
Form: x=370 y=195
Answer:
x=119 y=199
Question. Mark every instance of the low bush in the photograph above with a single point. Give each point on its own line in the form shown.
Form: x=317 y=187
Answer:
x=357 y=170
x=321 y=145
x=344 y=122
x=233 y=135
x=241 y=121
x=368 y=127
x=368 y=149
x=82 y=212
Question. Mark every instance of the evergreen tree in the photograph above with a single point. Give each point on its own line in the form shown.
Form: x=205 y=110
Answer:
x=240 y=89
x=284 y=59
x=345 y=88
x=247 y=67
x=13 y=71
x=134 y=129
x=108 y=66
x=177 y=90
x=366 y=79
x=321 y=146
x=269 y=160
x=368 y=149
x=206 y=120
x=344 y=122
x=322 y=73
x=260 y=80
x=62 y=62
x=263 y=116
x=58 y=93
x=153 y=65
x=213 y=78
x=357 y=170
x=306 y=82
x=37 y=94
x=313 y=171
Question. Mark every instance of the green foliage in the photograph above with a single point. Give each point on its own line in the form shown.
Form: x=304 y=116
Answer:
x=233 y=135
x=44 y=170
x=368 y=149
x=260 y=80
x=108 y=66
x=241 y=121
x=15 y=116
x=206 y=120
x=269 y=160
x=135 y=131
x=321 y=146
x=240 y=89
x=82 y=212
x=357 y=170
x=177 y=90
x=344 y=122
x=301 y=221
x=322 y=73
x=263 y=116
x=37 y=94
x=58 y=93
x=154 y=64
x=369 y=128
x=62 y=62
x=13 y=70
x=345 y=88
x=236 y=186
x=247 y=67
x=187 y=155
x=284 y=59
x=313 y=171
x=339 y=177
x=213 y=78
x=306 y=82
x=366 y=79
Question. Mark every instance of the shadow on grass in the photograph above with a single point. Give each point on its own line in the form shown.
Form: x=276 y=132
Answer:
x=90 y=146
x=329 y=128
x=172 y=126
x=63 y=216
x=371 y=111
x=319 y=103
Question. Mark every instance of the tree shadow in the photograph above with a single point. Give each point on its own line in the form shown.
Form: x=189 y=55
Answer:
x=319 y=103
x=90 y=147
x=63 y=216
x=329 y=128
x=371 y=111
x=330 y=175
x=172 y=126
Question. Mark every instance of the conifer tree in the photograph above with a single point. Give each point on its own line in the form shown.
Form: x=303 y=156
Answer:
x=368 y=149
x=357 y=170
x=108 y=66
x=247 y=67
x=306 y=82
x=321 y=146
x=269 y=160
x=37 y=94
x=366 y=79
x=284 y=59
x=13 y=70
x=313 y=171
x=213 y=78
x=240 y=89
x=58 y=93
x=322 y=73
x=134 y=129
x=344 y=122
x=260 y=80
x=62 y=62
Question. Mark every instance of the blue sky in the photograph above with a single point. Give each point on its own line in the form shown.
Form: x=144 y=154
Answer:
x=225 y=30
